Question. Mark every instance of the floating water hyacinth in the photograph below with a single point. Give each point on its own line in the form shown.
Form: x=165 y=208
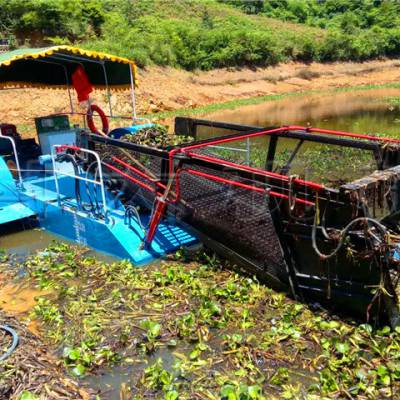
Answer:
x=188 y=328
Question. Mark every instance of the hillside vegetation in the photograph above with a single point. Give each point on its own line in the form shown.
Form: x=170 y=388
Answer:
x=207 y=34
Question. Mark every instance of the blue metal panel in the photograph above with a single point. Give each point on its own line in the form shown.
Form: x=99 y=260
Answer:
x=14 y=212
x=5 y=174
x=11 y=208
x=169 y=237
x=117 y=237
x=119 y=132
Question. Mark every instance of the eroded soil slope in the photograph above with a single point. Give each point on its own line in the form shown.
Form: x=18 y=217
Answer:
x=163 y=89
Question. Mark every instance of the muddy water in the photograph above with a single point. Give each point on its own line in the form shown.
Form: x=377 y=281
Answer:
x=360 y=111
x=110 y=383
x=17 y=299
x=24 y=242
x=20 y=300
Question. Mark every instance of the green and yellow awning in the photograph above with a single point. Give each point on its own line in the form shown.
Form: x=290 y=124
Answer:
x=54 y=66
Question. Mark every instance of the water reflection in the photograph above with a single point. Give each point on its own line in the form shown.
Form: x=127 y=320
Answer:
x=359 y=111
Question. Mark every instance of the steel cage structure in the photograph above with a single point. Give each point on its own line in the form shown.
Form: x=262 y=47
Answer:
x=255 y=216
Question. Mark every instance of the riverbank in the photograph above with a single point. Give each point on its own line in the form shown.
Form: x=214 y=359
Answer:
x=222 y=89
x=166 y=92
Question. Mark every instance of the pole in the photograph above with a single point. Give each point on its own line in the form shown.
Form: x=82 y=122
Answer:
x=133 y=93
x=108 y=88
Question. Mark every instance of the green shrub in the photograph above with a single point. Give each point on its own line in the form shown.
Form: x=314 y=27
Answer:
x=206 y=34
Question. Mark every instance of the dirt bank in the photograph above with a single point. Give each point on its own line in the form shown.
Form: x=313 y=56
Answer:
x=181 y=89
x=170 y=89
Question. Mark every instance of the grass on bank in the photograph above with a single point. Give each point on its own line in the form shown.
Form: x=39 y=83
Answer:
x=233 y=104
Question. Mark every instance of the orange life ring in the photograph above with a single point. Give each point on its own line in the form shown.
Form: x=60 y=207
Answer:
x=104 y=120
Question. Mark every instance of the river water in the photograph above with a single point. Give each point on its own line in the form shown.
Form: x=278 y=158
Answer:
x=362 y=111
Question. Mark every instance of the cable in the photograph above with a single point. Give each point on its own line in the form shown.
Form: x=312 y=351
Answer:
x=132 y=210
x=98 y=209
x=343 y=234
x=93 y=208
x=61 y=158
x=14 y=344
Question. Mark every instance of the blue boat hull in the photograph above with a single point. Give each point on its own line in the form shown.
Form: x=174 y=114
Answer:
x=115 y=235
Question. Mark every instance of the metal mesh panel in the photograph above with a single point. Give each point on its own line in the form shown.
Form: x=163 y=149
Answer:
x=238 y=218
x=150 y=165
x=323 y=163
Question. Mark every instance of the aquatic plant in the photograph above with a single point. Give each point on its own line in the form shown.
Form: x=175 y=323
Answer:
x=226 y=335
x=155 y=136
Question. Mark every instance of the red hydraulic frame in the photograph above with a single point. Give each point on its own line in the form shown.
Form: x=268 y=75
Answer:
x=162 y=191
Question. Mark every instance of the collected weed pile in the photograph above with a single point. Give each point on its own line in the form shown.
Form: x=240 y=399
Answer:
x=155 y=136
x=195 y=330
x=31 y=372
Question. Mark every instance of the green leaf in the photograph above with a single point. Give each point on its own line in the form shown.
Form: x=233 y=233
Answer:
x=237 y=338
x=384 y=331
x=202 y=346
x=385 y=380
x=79 y=370
x=153 y=328
x=254 y=392
x=74 y=354
x=171 y=395
x=228 y=392
x=215 y=308
x=241 y=372
x=194 y=354
x=382 y=370
x=25 y=395
x=343 y=348
x=329 y=325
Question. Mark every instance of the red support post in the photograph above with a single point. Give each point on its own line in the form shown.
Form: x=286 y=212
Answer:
x=155 y=220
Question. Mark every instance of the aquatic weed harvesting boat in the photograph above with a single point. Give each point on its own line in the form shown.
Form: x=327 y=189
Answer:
x=242 y=191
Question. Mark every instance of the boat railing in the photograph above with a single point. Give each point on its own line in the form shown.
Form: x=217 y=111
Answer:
x=56 y=149
x=14 y=147
x=136 y=120
x=236 y=149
